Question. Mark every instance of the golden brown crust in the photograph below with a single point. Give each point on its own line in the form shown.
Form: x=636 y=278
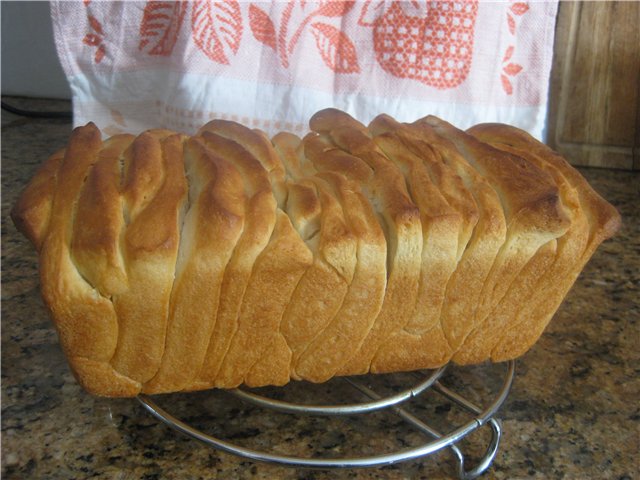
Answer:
x=95 y=243
x=463 y=292
x=259 y=221
x=423 y=339
x=99 y=378
x=400 y=218
x=258 y=338
x=172 y=263
x=210 y=231
x=154 y=195
x=335 y=345
x=320 y=221
x=592 y=221
x=32 y=211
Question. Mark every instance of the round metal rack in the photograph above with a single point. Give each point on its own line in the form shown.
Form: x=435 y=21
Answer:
x=438 y=440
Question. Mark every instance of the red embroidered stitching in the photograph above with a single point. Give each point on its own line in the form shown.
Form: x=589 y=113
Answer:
x=510 y=69
x=160 y=26
x=94 y=39
x=433 y=46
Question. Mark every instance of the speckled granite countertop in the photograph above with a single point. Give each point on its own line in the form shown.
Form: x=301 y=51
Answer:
x=573 y=412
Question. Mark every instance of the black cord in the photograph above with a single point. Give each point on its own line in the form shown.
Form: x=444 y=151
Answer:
x=34 y=114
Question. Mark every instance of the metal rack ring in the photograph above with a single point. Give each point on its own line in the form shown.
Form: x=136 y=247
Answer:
x=480 y=418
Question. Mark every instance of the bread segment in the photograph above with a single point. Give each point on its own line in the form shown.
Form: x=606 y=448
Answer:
x=463 y=292
x=423 y=339
x=319 y=218
x=86 y=322
x=387 y=192
x=274 y=277
x=592 y=221
x=210 y=230
x=32 y=211
x=259 y=222
x=154 y=191
x=95 y=244
x=534 y=212
x=175 y=263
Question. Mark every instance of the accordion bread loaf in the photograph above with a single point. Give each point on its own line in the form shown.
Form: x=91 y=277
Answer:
x=174 y=263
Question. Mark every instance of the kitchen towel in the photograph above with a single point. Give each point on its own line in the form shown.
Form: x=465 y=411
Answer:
x=271 y=65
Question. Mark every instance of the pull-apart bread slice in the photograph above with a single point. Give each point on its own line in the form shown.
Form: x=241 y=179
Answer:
x=592 y=220
x=258 y=224
x=533 y=211
x=423 y=338
x=211 y=228
x=153 y=192
x=320 y=219
x=175 y=263
x=400 y=220
x=333 y=346
x=463 y=290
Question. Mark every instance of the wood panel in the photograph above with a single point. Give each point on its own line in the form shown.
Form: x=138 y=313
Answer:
x=594 y=107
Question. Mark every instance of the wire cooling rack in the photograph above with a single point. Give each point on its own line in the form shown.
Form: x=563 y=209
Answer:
x=425 y=383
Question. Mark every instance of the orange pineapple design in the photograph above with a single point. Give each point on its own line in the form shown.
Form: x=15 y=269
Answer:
x=431 y=42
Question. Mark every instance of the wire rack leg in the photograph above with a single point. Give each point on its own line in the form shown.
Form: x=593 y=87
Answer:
x=485 y=461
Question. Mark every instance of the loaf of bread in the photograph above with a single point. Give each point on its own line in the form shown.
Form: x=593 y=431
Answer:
x=175 y=263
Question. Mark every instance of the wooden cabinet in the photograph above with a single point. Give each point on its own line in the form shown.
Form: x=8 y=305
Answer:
x=594 y=105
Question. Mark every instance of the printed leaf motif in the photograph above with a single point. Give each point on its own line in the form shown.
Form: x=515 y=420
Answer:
x=336 y=49
x=508 y=54
x=100 y=54
x=371 y=11
x=506 y=84
x=519 y=8
x=117 y=117
x=217 y=28
x=91 y=40
x=160 y=26
x=512 y=69
x=262 y=27
x=95 y=24
x=334 y=8
x=512 y=24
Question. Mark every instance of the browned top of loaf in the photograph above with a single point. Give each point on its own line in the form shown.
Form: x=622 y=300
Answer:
x=606 y=217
